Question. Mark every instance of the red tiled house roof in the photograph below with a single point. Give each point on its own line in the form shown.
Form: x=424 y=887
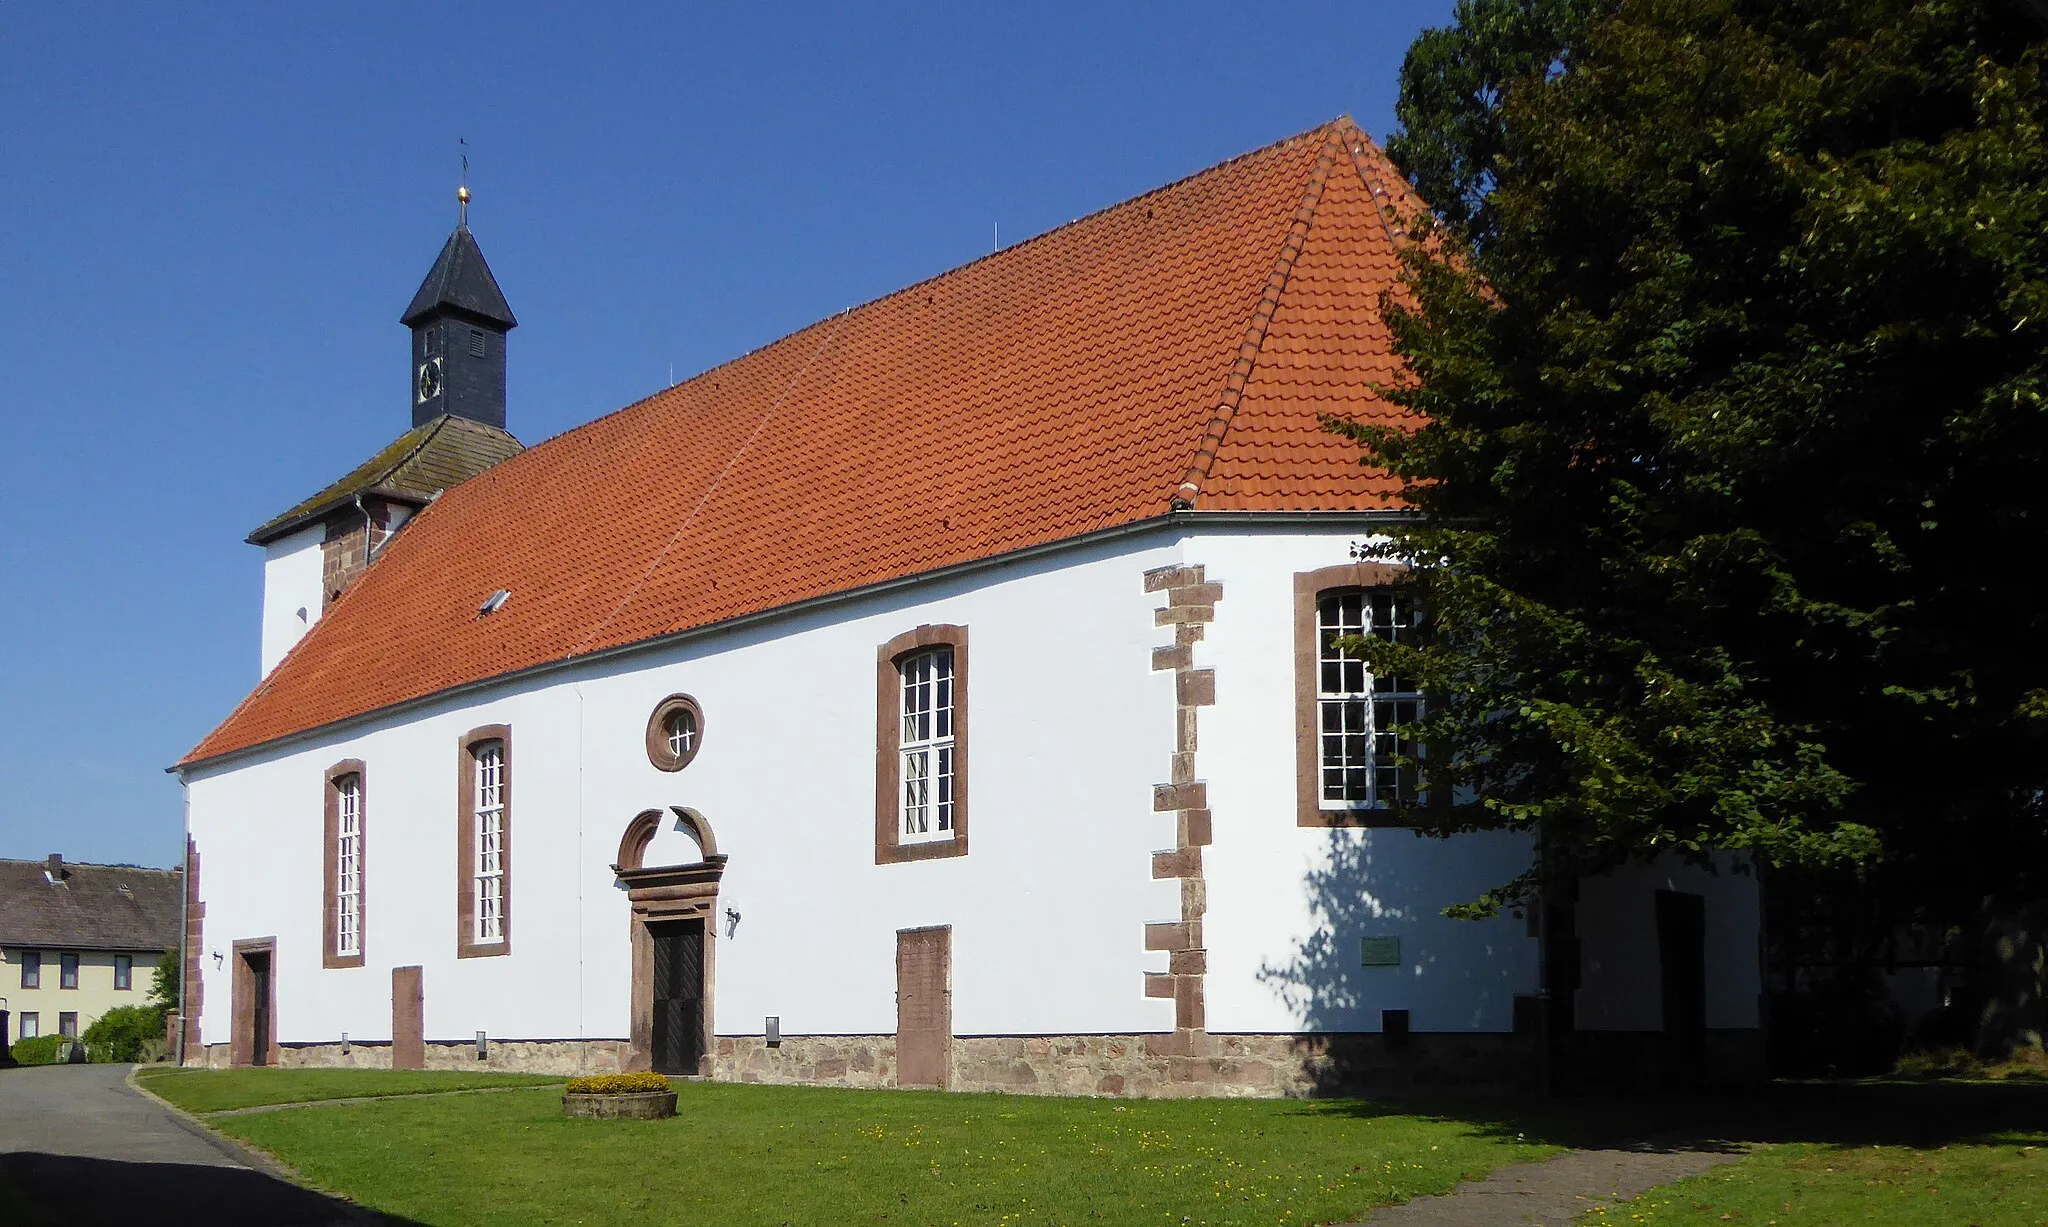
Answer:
x=1173 y=350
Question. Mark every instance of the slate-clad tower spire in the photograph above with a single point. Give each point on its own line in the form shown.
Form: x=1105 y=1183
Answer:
x=459 y=320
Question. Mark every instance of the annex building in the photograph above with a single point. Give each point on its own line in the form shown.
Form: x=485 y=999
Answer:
x=942 y=695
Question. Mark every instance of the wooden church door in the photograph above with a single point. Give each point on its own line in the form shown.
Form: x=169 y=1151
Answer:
x=678 y=995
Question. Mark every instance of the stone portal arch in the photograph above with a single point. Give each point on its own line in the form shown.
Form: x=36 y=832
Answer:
x=673 y=922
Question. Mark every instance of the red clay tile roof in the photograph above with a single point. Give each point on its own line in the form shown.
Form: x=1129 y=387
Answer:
x=1178 y=346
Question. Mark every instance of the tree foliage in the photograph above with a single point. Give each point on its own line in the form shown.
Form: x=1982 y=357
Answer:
x=1729 y=355
x=169 y=984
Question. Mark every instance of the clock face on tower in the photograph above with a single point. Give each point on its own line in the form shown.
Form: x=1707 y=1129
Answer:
x=429 y=384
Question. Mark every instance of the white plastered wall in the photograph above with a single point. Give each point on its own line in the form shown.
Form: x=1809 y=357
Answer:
x=1069 y=730
x=292 y=576
x=1621 y=988
x=1288 y=906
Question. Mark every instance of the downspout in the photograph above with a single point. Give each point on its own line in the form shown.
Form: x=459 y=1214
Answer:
x=369 y=533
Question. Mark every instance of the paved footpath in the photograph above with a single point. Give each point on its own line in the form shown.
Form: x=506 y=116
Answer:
x=88 y=1150
x=1558 y=1192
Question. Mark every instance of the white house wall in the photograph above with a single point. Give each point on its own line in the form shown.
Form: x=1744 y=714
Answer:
x=1068 y=728
x=1288 y=905
x=292 y=578
x=1617 y=927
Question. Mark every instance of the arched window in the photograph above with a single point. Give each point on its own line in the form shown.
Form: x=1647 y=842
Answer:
x=1350 y=761
x=921 y=745
x=484 y=848
x=345 y=829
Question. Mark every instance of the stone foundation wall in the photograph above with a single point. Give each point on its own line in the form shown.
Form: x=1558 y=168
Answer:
x=1140 y=1066
x=565 y=1057
x=1153 y=1066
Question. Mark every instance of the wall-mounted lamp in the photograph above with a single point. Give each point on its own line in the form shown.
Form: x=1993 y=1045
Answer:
x=216 y=960
x=732 y=921
x=481 y=1050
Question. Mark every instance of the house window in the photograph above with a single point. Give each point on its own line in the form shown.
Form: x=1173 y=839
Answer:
x=921 y=745
x=348 y=863
x=67 y=971
x=31 y=1024
x=124 y=972
x=484 y=850
x=345 y=865
x=1357 y=710
x=67 y=1024
x=926 y=746
x=31 y=969
x=675 y=732
x=1348 y=757
x=490 y=842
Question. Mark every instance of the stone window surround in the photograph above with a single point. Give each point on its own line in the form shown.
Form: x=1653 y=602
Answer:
x=657 y=732
x=466 y=947
x=1309 y=588
x=667 y=892
x=330 y=860
x=888 y=734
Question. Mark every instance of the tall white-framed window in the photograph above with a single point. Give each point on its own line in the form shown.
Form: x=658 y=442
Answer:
x=925 y=747
x=1358 y=711
x=490 y=842
x=348 y=865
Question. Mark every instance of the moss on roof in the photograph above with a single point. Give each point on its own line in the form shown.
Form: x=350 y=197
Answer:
x=420 y=463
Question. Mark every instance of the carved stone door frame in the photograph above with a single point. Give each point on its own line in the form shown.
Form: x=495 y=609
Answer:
x=667 y=892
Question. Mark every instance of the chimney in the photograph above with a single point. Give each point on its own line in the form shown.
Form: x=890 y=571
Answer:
x=55 y=872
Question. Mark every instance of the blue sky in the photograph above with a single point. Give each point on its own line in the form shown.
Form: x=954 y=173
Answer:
x=214 y=214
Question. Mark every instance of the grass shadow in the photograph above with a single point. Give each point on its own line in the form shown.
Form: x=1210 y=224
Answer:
x=1870 y=1112
x=84 y=1192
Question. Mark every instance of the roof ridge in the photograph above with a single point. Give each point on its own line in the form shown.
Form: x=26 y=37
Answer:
x=1190 y=487
x=439 y=424
x=1395 y=232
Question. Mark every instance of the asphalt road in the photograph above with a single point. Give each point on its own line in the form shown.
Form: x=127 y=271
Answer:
x=86 y=1151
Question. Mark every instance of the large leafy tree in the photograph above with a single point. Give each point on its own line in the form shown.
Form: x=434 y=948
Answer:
x=1729 y=355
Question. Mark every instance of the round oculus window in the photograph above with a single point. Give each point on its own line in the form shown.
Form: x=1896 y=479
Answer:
x=675 y=732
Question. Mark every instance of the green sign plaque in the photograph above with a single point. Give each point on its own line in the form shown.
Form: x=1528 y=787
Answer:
x=1379 y=952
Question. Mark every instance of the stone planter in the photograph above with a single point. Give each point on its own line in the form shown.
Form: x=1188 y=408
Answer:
x=638 y=1105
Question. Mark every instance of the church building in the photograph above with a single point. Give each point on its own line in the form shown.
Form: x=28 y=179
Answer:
x=944 y=695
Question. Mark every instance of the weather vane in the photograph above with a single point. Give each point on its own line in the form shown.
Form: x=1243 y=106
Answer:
x=462 y=193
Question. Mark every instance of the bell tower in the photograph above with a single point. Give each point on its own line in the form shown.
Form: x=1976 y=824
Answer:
x=459 y=320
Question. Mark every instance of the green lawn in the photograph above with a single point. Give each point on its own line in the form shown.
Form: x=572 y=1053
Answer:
x=739 y=1155
x=216 y=1090
x=1990 y=1182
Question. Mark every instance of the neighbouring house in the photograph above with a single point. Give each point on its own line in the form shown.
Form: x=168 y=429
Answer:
x=78 y=940
x=942 y=695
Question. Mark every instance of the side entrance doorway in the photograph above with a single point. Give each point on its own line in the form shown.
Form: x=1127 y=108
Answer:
x=673 y=911
x=253 y=993
x=1682 y=964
